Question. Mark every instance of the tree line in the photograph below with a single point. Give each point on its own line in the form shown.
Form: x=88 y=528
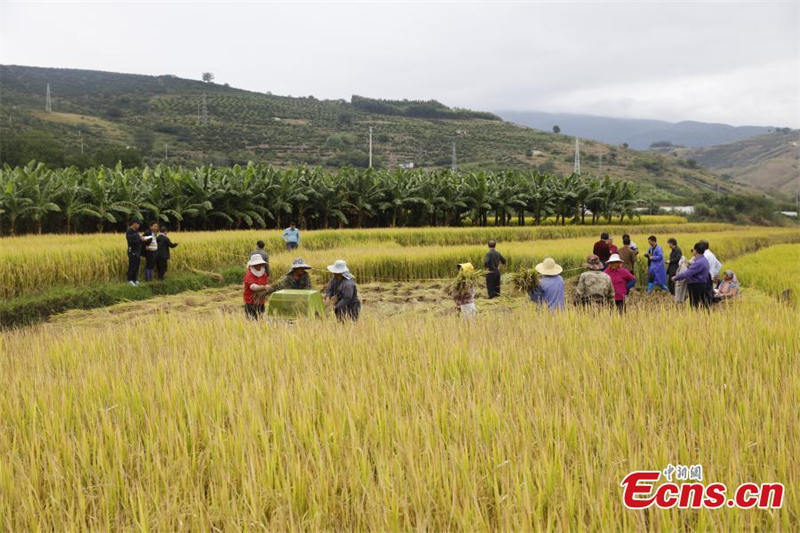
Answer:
x=37 y=199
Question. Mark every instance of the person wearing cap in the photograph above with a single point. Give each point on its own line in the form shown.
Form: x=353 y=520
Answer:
x=296 y=278
x=493 y=262
x=601 y=248
x=465 y=302
x=135 y=241
x=696 y=277
x=620 y=279
x=594 y=285
x=263 y=253
x=342 y=290
x=255 y=286
x=656 y=273
x=550 y=290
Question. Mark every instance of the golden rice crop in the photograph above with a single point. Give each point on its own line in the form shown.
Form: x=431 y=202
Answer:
x=514 y=421
x=32 y=263
x=773 y=270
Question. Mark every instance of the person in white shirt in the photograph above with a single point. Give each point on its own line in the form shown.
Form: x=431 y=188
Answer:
x=714 y=266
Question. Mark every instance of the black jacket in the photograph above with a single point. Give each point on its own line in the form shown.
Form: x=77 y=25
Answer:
x=346 y=293
x=164 y=244
x=134 y=241
x=493 y=260
x=674 y=260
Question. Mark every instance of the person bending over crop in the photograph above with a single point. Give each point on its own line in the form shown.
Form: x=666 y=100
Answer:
x=594 y=285
x=343 y=291
x=255 y=286
x=296 y=278
x=462 y=290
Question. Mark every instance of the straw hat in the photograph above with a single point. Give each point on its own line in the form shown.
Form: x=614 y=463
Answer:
x=593 y=262
x=256 y=259
x=299 y=263
x=339 y=267
x=549 y=267
x=466 y=267
x=614 y=259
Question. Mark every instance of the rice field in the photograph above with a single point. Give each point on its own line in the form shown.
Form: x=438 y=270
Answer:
x=177 y=414
x=517 y=421
x=80 y=260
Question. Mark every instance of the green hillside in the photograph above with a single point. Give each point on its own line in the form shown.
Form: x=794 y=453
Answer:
x=767 y=162
x=145 y=119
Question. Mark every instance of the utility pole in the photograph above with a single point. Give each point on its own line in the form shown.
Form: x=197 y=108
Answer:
x=204 y=109
x=577 y=166
x=601 y=164
x=166 y=154
x=80 y=137
x=370 y=147
x=48 y=103
x=454 y=165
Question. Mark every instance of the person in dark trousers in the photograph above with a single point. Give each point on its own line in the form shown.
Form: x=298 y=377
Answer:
x=675 y=255
x=696 y=277
x=492 y=263
x=255 y=285
x=135 y=241
x=162 y=254
x=601 y=248
x=263 y=253
x=150 y=249
x=291 y=236
x=342 y=290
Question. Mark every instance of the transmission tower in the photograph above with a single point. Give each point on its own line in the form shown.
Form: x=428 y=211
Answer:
x=454 y=165
x=204 y=110
x=577 y=167
x=48 y=103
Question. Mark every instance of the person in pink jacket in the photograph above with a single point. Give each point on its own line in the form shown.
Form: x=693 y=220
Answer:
x=619 y=279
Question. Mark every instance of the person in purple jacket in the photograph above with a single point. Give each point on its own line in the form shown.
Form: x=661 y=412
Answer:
x=696 y=277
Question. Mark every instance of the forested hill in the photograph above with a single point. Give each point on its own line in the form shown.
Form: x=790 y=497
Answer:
x=99 y=117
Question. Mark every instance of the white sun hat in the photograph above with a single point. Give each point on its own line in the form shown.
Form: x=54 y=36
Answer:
x=614 y=259
x=339 y=267
x=256 y=259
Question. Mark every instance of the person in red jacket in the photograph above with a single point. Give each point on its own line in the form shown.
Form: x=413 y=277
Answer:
x=620 y=278
x=601 y=248
x=255 y=286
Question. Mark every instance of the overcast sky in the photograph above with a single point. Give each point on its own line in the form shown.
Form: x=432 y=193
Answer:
x=731 y=62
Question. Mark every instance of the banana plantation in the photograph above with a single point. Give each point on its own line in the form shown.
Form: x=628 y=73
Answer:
x=36 y=199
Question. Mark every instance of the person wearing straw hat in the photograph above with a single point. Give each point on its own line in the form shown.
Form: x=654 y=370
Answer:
x=343 y=291
x=296 y=278
x=594 y=285
x=550 y=290
x=463 y=292
x=255 y=286
x=621 y=279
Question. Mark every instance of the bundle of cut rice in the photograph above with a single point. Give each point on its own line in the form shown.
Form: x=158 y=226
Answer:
x=464 y=284
x=525 y=280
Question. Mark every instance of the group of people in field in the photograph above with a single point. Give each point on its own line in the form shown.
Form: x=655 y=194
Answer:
x=154 y=245
x=341 y=291
x=607 y=281
x=609 y=276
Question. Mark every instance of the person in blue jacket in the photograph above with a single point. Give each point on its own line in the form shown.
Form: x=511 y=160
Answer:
x=656 y=273
x=291 y=236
